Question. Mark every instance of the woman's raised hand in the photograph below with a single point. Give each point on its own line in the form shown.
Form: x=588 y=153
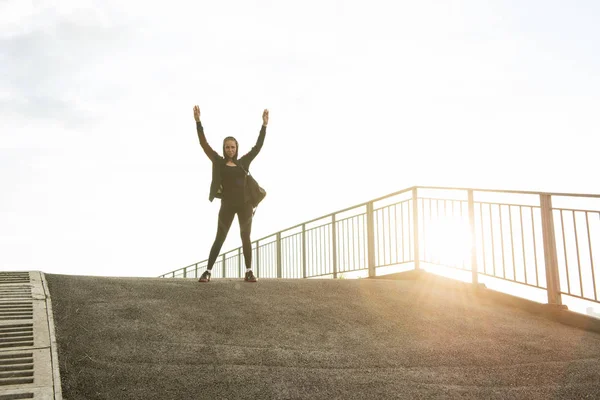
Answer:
x=265 y=117
x=197 y=113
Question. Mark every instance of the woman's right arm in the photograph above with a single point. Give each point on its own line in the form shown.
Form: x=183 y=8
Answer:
x=203 y=142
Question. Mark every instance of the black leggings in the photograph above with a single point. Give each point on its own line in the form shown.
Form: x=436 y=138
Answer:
x=226 y=214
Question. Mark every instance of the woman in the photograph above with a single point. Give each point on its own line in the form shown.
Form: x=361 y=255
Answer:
x=228 y=179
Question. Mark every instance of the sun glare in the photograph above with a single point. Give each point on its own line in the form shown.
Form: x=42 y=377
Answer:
x=447 y=241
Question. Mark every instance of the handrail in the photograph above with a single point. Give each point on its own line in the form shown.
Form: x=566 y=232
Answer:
x=337 y=212
x=512 y=191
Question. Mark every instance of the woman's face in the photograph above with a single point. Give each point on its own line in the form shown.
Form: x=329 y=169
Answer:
x=230 y=148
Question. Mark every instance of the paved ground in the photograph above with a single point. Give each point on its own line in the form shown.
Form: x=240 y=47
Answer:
x=146 y=338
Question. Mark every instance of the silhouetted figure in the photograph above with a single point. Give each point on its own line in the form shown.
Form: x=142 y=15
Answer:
x=228 y=184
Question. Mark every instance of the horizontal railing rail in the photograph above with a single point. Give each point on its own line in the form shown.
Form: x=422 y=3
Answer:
x=509 y=235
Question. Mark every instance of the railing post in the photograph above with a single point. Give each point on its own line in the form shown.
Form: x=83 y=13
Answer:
x=417 y=255
x=474 y=266
x=279 y=254
x=552 y=280
x=185 y=272
x=334 y=246
x=257 y=259
x=371 y=240
x=240 y=262
x=224 y=269
x=304 y=250
x=196 y=271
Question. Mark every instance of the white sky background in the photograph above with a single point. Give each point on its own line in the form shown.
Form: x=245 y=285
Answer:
x=101 y=172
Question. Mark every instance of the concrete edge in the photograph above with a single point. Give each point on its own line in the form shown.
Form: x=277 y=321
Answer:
x=53 y=344
x=558 y=313
x=554 y=312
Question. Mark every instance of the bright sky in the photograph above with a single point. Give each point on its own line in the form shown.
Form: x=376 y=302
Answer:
x=101 y=172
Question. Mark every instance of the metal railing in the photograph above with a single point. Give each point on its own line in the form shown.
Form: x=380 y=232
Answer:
x=514 y=236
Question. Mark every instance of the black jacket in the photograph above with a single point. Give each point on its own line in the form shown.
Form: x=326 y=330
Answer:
x=218 y=161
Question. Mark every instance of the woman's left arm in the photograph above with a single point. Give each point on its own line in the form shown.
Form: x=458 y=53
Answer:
x=261 y=139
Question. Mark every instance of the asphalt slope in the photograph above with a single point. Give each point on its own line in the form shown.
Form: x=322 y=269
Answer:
x=147 y=338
